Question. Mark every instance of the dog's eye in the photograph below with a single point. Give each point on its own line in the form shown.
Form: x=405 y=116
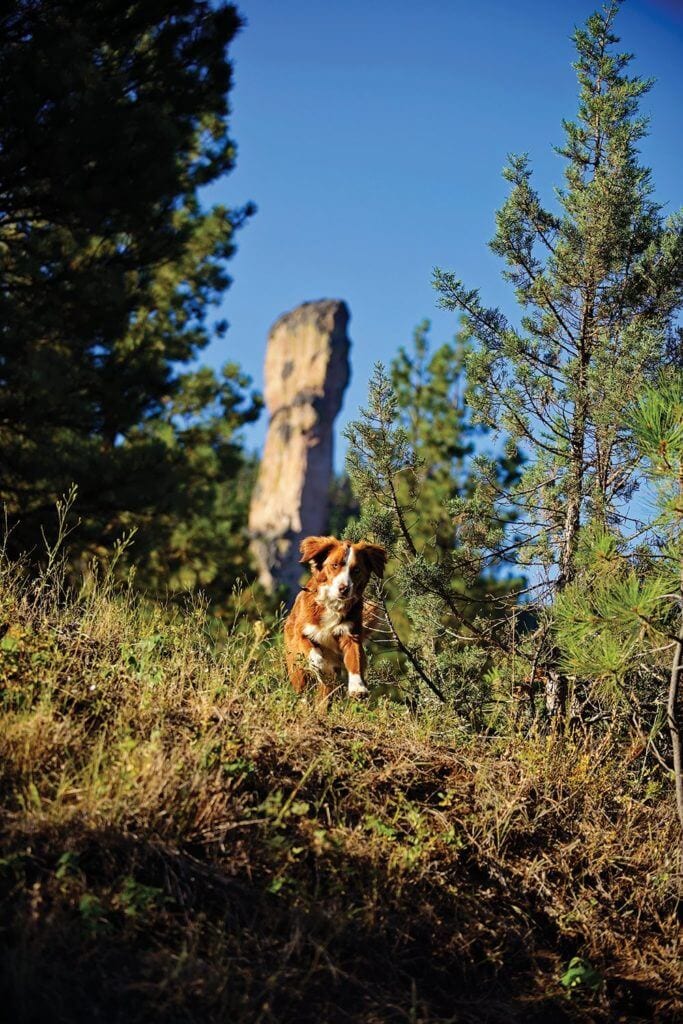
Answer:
x=335 y=565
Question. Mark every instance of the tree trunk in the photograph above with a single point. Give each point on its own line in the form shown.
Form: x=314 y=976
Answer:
x=570 y=532
x=576 y=469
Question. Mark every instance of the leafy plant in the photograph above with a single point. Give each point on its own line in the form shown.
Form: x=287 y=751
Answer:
x=580 y=974
x=136 y=899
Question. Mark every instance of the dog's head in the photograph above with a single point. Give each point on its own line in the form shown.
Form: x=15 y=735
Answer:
x=342 y=568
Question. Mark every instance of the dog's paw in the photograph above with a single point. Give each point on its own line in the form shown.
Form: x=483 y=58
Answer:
x=357 y=687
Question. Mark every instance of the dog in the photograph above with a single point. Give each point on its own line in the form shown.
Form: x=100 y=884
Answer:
x=325 y=628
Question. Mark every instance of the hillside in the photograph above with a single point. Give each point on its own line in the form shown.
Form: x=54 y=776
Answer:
x=183 y=840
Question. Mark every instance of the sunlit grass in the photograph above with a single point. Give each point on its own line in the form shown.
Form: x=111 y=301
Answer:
x=183 y=839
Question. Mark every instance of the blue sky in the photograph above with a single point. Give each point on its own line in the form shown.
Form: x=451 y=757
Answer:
x=371 y=136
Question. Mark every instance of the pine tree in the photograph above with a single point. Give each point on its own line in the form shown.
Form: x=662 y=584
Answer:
x=429 y=390
x=195 y=534
x=623 y=615
x=112 y=118
x=411 y=464
x=599 y=282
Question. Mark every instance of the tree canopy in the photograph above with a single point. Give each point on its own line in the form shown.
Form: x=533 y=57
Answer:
x=113 y=117
x=599 y=278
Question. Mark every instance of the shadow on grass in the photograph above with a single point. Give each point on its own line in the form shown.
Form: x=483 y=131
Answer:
x=104 y=926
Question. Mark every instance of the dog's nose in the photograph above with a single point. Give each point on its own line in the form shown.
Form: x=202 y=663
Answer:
x=344 y=588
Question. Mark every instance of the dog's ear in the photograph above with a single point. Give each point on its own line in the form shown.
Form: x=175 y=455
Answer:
x=315 y=549
x=377 y=557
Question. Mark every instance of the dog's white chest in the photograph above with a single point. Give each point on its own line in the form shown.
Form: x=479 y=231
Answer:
x=326 y=633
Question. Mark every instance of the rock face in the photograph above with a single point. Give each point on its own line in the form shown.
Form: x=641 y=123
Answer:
x=306 y=373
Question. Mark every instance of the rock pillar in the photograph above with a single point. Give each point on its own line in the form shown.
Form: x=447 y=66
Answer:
x=306 y=373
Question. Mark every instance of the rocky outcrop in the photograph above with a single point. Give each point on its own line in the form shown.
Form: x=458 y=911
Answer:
x=306 y=373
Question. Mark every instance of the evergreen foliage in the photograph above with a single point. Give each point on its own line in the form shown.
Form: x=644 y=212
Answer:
x=599 y=282
x=407 y=461
x=617 y=625
x=429 y=393
x=598 y=279
x=112 y=118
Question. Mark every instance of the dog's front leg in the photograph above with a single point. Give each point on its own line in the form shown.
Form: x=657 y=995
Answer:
x=321 y=671
x=354 y=663
x=297 y=653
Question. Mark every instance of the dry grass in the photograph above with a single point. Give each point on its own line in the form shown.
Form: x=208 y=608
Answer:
x=183 y=840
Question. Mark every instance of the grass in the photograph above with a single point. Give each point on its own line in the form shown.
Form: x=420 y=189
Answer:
x=184 y=840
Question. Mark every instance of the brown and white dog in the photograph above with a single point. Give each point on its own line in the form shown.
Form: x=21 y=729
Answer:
x=324 y=629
